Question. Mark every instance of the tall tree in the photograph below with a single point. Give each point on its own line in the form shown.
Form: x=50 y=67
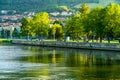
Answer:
x=7 y=33
x=3 y=33
x=74 y=27
x=116 y=27
x=57 y=31
x=41 y=23
x=26 y=27
x=84 y=10
x=93 y=23
x=111 y=20
x=15 y=33
x=58 y=22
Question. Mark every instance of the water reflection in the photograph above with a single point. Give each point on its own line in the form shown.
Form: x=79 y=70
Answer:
x=70 y=57
x=40 y=63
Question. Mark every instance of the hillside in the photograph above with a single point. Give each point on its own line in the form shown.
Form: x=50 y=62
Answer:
x=102 y=3
x=39 y=5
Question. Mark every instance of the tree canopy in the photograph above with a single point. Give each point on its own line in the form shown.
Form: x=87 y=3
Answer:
x=37 y=26
x=99 y=23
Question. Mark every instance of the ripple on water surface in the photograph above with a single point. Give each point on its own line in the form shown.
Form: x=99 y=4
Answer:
x=38 y=63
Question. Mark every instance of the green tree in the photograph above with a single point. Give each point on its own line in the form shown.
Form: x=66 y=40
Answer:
x=116 y=28
x=58 y=22
x=93 y=23
x=15 y=33
x=74 y=27
x=26 y=27
x=3 y=33
x=57 y=31
x=7 y=33
x=111 y=20
x=50 y=33
x=84 y=9
x=50 y=29
x=41 y=23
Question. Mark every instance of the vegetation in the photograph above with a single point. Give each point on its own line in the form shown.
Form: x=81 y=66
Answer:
x=5 y=41
x=15 y=33
x=86 y=24
x=99 y=23
x=38 y=26
x=39 y=5
x=57 y=31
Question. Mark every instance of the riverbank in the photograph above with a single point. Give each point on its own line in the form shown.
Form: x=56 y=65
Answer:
x=5 y=41
x=75 y=45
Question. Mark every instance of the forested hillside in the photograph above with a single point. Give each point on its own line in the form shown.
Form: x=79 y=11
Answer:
x=39 y=5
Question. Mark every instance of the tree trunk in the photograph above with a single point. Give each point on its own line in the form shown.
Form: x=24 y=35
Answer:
x=108 y=39
x=54 y=36
x=100 y=39
x=92 y=38
x=119 y=40
x=28 y=37
x=86 y=38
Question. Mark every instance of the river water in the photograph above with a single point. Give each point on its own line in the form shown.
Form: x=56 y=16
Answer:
x=41 y=63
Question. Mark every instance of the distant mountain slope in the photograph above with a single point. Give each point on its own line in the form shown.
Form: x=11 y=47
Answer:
x=101 y=3
x=39 y=5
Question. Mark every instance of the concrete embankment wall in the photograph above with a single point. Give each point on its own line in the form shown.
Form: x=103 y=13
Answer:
x=76 y=45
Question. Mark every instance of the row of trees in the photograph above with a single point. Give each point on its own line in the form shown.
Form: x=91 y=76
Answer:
x=39 y=27
x=6 y=33
x=87 y=23
x=98 y=22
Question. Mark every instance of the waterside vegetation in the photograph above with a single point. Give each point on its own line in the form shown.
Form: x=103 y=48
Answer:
x=5 y=41
x=86 y=24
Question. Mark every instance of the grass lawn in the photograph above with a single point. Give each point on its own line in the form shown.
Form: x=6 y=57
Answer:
x=51 y=40
x=5 y=40
x=90 y=41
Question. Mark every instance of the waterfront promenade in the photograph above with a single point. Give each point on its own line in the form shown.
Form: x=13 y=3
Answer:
x=75 y=45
